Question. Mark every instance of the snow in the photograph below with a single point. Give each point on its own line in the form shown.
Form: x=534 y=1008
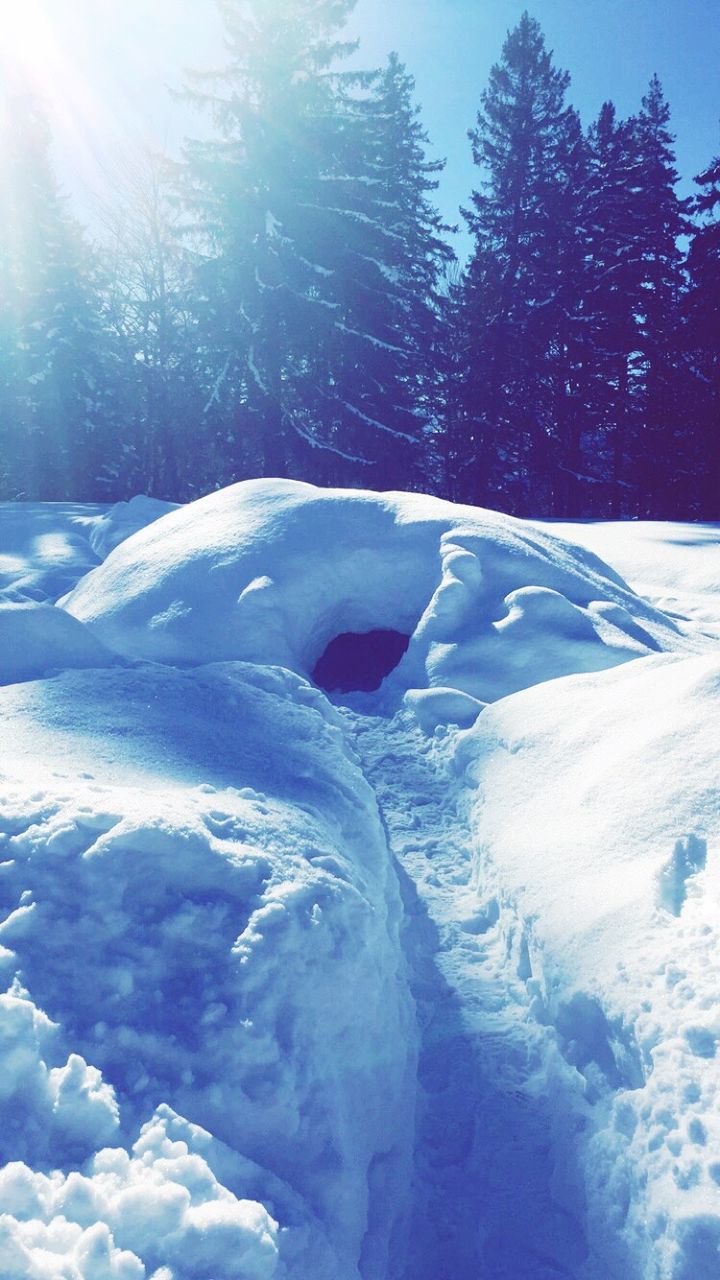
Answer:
x=615 y=899
x=384 y=986
x=271 y=572
x=45 y=548
x=159 y=1201
x=35 y=639
x=675 y=565
x=224 y=898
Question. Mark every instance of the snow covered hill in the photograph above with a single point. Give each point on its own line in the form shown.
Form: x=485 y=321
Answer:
x=409 y=977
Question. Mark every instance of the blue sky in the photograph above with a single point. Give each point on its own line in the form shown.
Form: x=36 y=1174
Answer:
x=108 y=67
x=611 y=49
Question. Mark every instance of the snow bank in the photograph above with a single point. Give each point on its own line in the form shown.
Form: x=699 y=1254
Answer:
x=200 y=919
x=596 y=820
x=675 y=565
x=46 y=547
x=107 y=530
x=197 y=893
x=36 y=639
x=272 y=571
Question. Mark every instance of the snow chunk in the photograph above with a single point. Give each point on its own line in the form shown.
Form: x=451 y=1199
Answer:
x=433 y=707
x=59 y=1113
x=123 y=520
x=159 y=1208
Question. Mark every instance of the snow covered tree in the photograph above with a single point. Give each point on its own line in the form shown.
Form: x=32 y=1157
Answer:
x=256 y=207
x=319 y=256
x=521 y=287
x=58 y=398
x=385 y=255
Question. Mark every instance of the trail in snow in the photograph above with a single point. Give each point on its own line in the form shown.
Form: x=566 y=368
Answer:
x=495 y=1194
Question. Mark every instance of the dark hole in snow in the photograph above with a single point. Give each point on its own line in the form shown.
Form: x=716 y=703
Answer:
x=358 y=663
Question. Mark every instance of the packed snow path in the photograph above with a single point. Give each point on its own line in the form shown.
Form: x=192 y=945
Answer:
x=494 y=1194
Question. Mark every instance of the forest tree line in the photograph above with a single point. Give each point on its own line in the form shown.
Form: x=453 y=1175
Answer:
x=284 y=301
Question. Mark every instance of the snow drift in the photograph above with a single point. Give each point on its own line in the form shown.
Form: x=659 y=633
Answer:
x=287 y=985
x=596 y=821
x=273 y=571
x=46 y=547
x=200 y=913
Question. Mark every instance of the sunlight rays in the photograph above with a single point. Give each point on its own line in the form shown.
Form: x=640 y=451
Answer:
x=44 y=49
x=30 y=43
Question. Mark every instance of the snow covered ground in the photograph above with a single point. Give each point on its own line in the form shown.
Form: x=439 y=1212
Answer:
x=412 y=984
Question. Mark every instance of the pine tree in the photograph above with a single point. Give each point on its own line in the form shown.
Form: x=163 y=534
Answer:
x=257 y=208
x=148 y=306
x=386 y=255
x=452 y=358
x=520 y=300
x=702 y=309
x=322 y=254
x=661 y=470
x=58 y=402
x=614 y=219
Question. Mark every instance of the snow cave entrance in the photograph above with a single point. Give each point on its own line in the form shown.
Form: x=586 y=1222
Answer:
x=358 y=662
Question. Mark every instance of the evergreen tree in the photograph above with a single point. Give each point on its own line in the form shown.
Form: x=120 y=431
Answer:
x=57 y=399
x=521 y=304
x=384 y=247
x=257 y=207
x=451 y=359
x=612 y=306
x=322 y=254
x=148 y=306
x=703 y=345
x=660 y=463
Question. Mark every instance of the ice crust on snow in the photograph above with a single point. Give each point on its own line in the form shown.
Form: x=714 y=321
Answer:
x=273 y=571
x=421 y=981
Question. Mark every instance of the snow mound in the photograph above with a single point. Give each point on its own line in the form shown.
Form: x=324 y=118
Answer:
x=46 y=547
x=596 y=820
x=274 y=571
x=675 y=565
x=201 y=902
x=111 y=528
x=36 y=639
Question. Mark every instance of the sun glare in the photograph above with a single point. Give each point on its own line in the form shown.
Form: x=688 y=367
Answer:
x=44 y=48
x=30 y=43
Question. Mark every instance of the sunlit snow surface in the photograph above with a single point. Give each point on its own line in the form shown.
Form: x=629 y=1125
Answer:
x=417 y=986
